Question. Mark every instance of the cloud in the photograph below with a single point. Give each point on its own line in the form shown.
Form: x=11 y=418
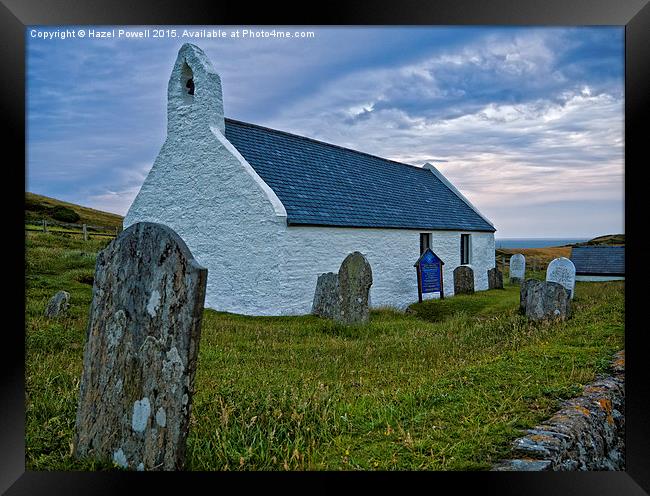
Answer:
x=113 y=201
x=126 y=186
x=550 y=139
x=524 y=117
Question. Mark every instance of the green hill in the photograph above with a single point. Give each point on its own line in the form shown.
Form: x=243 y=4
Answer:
x=608 y=239
x=39 y=207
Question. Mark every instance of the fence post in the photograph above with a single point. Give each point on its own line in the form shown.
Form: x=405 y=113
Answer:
x=85 y=230
x=44 y=226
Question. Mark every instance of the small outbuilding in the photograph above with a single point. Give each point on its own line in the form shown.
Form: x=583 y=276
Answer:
x=599 y=263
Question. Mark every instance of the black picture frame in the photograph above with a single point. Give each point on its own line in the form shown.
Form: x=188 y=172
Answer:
x=633 y=14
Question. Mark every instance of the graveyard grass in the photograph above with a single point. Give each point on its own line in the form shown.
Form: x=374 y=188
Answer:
x=447 y=386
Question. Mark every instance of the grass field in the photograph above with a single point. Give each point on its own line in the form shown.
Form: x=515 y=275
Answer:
x=536 y=258
x=446 y=386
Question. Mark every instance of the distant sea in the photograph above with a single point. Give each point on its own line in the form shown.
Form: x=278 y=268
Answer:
x=535 y=242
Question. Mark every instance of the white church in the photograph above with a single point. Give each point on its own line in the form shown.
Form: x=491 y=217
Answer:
x=267 y=212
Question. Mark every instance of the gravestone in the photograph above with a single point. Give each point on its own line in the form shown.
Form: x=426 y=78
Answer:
x=355 y=279
x=563 y=271
x=142 y=344
x=495 y=278
x=327 y=298
x=58 y=305
x=517 y=268
x=345 y=296
x=544 y=300
x=463 y=280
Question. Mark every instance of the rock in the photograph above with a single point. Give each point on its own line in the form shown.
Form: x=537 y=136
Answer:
x=463 y=280
x=327 y=297
x=58 y=305
x=355 y=279
x=544 y=300
x=517 y=268
x=141 y=350
x=495 y=278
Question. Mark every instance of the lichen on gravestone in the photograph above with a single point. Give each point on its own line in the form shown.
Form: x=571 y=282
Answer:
x=141 y=351
x=327 y=297
x=495 y=278
x=544 y=300
x=345 y=296
x=355 y=279
x=463 y=280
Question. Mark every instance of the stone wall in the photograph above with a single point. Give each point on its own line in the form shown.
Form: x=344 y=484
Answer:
x=588 y=433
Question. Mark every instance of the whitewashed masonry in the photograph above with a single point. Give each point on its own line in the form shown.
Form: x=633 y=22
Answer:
x=236 y=226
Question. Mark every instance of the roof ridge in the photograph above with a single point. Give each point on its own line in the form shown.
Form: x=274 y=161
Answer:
x=279 y=131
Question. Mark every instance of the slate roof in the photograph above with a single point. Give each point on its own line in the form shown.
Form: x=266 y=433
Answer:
x=604 y=260
x=328 y=185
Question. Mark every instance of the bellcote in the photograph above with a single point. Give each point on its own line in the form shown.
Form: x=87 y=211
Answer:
x=194 y=97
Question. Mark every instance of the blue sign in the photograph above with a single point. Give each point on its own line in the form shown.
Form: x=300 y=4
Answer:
x=430 y=267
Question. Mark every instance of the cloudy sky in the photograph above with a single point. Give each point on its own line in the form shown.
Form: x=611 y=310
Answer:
x=527 y=122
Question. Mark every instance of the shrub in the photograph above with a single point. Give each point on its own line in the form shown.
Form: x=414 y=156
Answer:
x=64 y=214
x=34 y=205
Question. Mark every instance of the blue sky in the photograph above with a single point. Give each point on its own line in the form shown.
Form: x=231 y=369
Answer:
x=527 y=122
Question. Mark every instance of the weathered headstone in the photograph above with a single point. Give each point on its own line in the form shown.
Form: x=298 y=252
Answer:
x=463 y=280
x=58 y=304
x=544 y=300
x=563 y=271
x=355 y=279
x=345 y=296
x=141 y=351
x=517 y=268
x=327 y=298
x=495 y=278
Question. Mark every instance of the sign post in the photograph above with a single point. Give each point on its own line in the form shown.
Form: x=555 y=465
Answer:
x=429 y=270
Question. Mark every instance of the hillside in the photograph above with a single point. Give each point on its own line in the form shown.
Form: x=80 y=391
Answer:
x=608 y=239
x=39 y=207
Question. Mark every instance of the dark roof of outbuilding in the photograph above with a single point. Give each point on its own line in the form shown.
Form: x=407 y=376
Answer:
x=599 y=259
x=324 y=184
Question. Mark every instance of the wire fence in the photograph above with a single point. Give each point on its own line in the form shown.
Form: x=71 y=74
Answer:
x=87 y=230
